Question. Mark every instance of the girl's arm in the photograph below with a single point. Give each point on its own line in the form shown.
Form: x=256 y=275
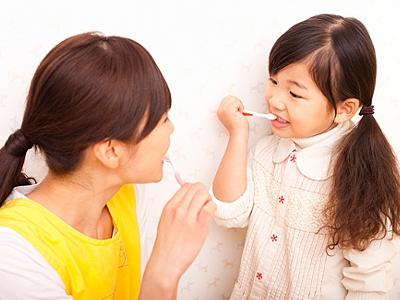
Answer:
x=369 y=275
x=230 y=181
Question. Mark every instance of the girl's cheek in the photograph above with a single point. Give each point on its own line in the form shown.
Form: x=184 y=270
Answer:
x=267 y=98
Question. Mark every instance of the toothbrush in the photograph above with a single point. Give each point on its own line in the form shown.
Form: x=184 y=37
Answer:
x=268 y=116
x=176 y=173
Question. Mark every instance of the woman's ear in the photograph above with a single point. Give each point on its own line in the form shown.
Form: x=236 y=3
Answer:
x=346 y=109
x=109 y=153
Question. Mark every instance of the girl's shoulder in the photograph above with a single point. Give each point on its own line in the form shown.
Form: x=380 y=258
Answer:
x=266 y=146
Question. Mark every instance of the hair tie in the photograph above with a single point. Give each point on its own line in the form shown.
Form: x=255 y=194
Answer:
x=17 y=144
x=366 y=110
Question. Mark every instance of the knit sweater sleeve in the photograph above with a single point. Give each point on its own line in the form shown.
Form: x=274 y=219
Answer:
x=369 y=275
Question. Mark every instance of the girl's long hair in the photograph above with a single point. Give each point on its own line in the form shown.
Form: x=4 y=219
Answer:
x=89 y=88
x=365 y=195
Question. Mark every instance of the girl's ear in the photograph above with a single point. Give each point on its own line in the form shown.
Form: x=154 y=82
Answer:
x=109 y=153
x=346 y=109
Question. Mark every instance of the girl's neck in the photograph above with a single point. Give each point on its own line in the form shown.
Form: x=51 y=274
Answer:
x=338 y=130
x=81 y=204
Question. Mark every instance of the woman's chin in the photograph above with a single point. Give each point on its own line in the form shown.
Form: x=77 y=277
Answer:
x=157 y=180
x=152 y=179
x=159 y=177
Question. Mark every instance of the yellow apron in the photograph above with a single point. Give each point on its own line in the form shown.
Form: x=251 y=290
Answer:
x=90 y=269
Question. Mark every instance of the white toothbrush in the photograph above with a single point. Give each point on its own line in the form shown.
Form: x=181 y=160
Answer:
x=268 y=116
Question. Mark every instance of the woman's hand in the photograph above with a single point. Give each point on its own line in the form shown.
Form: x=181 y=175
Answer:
x=230 y=114
x=181 y=233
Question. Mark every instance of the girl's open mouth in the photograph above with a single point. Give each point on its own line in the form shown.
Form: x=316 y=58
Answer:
x=282 y=121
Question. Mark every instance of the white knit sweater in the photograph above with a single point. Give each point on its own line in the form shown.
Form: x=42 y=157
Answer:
x=284 y=257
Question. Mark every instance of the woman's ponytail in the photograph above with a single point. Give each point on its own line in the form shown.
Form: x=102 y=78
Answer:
x=12 y=157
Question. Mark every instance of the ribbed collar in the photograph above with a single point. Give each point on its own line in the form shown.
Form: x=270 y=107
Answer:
x=313 y=155
x=21 y=191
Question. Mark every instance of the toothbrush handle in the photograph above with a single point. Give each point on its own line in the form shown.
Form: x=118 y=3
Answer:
x=179 y=179
x=268 y=116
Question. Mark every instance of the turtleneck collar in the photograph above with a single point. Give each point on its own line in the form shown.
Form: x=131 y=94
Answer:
x=309 y=141
x=312 y=155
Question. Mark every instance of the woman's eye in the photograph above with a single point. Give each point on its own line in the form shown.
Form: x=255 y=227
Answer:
x=273 y=81
x=295 y=95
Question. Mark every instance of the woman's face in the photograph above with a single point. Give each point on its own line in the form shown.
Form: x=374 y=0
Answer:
x=146 y=162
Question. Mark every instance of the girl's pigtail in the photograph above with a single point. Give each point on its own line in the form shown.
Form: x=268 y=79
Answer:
x=366 y=187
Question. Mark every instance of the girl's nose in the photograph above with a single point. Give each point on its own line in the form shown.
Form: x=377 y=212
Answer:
x=276 y=102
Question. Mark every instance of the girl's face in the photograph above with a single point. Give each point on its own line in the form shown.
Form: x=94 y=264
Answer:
x=300 y=106
x=146 y=162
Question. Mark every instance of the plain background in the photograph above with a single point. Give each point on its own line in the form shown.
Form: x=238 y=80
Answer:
x=205 y=49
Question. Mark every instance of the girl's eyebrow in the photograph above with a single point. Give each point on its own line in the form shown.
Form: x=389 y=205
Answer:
x=298 y=84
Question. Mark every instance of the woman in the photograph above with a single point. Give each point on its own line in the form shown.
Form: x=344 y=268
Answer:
x=97 y=109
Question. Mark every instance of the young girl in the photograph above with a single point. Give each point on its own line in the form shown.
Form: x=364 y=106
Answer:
x=320 y=196
x=97 y=109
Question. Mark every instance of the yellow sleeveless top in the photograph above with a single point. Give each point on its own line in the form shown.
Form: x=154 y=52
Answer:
x=90 y=269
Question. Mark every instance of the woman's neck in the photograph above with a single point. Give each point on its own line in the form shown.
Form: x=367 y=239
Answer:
x=80 y=203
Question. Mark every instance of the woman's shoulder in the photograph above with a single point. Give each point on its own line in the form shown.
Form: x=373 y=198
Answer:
x=20 y=262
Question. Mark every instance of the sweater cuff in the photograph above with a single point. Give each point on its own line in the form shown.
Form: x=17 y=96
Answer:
x=355 y=295
x=232 y=209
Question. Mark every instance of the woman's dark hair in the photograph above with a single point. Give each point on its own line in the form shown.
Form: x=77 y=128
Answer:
x=89 y=88
x=365 y=194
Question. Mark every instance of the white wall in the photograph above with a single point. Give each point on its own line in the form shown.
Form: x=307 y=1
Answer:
x=205 y=49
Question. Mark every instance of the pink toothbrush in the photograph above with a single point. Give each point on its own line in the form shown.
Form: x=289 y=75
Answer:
x=176 y=173
x=268 y=116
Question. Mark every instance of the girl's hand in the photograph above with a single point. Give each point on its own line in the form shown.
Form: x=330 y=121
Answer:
x=230 y=114
x=181 y=233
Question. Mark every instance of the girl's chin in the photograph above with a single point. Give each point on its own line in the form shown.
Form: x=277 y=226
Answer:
x=281 y=133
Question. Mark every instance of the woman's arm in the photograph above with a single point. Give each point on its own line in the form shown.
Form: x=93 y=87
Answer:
x=230 y=181
x=181 y=233
x=24 y=272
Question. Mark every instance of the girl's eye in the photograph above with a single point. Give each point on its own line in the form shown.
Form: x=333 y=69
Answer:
x=295 y=95
x=273 y=81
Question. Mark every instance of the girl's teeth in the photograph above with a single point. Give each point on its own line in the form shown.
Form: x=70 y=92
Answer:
x=280 y=120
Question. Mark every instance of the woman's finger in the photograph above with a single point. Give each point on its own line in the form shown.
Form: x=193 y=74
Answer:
x=207 y=212
x=198 y=202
